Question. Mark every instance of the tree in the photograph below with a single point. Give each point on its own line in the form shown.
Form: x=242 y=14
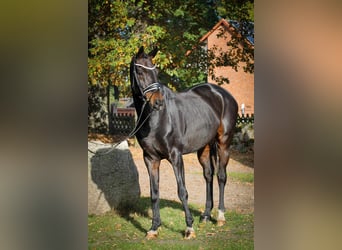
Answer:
x=236 y=9
x=184 y=23
x=118 y=28
x=112 y=40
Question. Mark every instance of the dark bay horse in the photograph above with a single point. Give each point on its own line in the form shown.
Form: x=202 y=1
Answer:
x=201 y=119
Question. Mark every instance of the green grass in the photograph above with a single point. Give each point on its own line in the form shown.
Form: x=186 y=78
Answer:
x=126 y=229
x=237 y=176
x=242 y=177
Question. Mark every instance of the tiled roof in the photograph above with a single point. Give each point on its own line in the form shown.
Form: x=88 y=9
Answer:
x=231 y=26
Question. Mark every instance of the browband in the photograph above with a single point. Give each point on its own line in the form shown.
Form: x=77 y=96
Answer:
x=145 y=67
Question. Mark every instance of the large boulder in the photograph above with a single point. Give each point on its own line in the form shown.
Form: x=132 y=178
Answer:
x=247 y=132
x=113 y=180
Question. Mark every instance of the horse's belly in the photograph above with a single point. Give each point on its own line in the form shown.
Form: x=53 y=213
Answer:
x=197 y=139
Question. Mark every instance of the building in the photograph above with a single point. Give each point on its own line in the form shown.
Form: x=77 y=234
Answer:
x=241 y=84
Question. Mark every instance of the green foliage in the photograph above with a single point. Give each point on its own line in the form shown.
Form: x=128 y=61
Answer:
x=113 y=39
x=184 y=23
x=126 y=229
x=236 y=9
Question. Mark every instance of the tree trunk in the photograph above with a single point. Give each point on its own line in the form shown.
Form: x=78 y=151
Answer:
x=108 y=108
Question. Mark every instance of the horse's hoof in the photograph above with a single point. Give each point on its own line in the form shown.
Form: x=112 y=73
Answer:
x=220 y=218
x=151 y=235
x=190 y=234
x=220 y=223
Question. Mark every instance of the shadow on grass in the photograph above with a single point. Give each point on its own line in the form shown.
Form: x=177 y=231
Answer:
x=115 y=175
x=142 y=209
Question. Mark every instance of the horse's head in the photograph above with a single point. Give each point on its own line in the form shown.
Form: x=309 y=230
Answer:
x=144 y=77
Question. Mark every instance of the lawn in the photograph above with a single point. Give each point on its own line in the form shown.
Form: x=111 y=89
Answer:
x=242 y=177
x=126 y=229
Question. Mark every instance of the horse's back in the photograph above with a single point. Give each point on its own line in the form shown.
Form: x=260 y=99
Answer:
x=217 y=96
x=199 y=112
x=221 y=101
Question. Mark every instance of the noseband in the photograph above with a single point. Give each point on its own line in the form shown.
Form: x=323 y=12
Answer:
x=153 y=87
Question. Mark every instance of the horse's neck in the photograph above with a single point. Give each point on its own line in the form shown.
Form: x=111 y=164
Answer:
x=167 y=92
x=139 y=100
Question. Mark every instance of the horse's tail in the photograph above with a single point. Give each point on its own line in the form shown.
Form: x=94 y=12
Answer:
x=214 y=156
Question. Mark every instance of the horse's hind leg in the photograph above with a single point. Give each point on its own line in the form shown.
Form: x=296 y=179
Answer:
x=222 y=180
x=208 y=172
x=224 y=139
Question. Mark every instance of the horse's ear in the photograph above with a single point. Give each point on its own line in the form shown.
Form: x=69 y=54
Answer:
x=153 y=52
x=140 y=52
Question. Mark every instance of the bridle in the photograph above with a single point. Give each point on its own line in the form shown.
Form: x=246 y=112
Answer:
x=153 y=87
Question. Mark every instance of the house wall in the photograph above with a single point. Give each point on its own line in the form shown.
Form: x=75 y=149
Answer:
x=241 y=84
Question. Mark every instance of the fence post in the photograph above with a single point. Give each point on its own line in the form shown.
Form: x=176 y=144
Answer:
x=244 y=119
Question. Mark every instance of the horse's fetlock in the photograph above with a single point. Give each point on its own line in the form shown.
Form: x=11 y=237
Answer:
x=205 y=218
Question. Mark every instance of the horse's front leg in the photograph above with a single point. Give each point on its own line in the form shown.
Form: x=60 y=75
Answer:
x=153 y=171
x=176 y=160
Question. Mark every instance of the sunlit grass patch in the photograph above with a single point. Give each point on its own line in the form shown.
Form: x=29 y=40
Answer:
x=127 y=230
x=242 y=177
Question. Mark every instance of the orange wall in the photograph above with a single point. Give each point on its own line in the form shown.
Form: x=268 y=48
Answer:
x=241 y=84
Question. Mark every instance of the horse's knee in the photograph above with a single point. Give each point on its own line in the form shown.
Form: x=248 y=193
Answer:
x=208 y=174
x=182 y=193
x=223 y=162
x=222 y=175
x=154 y=192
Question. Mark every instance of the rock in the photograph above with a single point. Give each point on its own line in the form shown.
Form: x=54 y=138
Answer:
x=248 y=132
x=113 y=180
x=243 y=139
